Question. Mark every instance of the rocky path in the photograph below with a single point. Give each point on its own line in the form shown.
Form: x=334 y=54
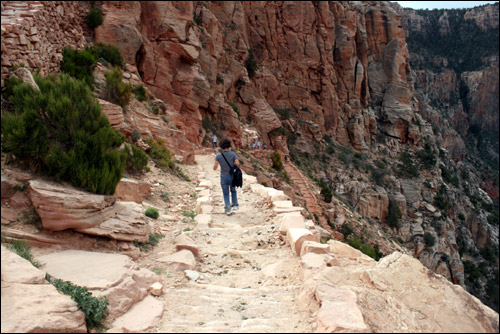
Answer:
x=248 y=279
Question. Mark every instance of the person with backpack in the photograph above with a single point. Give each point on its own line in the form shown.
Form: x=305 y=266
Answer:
x=227 y=160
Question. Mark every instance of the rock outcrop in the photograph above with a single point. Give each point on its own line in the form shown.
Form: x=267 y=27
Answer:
x=362 y=288
x=63 y=208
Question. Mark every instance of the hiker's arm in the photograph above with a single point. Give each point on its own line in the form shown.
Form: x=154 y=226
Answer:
x=216 y=165
x=237 y=162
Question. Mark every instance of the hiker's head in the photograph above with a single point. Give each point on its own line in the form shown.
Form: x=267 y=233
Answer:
x=225 y=144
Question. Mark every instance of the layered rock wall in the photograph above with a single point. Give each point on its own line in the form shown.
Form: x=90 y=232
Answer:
x=35 y=32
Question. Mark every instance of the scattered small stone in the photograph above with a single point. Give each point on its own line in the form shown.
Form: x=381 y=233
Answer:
x=192 y=275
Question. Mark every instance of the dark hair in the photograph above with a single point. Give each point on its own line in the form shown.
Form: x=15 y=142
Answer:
x=225 y=143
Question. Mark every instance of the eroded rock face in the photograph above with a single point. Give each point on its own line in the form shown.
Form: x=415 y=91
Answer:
x=31 y=304
x=63 y=207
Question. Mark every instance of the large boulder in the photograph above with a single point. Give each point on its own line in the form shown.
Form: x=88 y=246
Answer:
x=63 y=208
x=31 y=304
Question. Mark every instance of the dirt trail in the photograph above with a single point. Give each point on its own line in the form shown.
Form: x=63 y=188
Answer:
x=249 y=280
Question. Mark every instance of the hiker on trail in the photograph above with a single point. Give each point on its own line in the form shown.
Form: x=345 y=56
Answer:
x=258 y=144
x=253 y=146
x=265 y=147
x=286 y=158
x=214 y=141
x=225 y=177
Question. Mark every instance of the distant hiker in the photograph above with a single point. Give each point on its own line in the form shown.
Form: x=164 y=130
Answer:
x=258 y=144
x=214 y=141
x=265 y=147
x=227 y=159
x=253 y=146
x=286 y=158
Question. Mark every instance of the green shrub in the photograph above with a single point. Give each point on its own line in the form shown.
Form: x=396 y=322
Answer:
x=137 y=160
x=368 y=250
x=79 y=64
x=429 y=239
x=155 y=238
x=152 y=213
x=95 y=309
x=407 y=168
x=108 y=52
x=136 y=135
x=394 y=214
x=160 y=154
x=346 y=230
x=276 y=159
x=427 y=156
x=326 y=192
x=61 y=131
x=140 y=92
x=94 y=18
x=251 y=64
x=284 y=113
x=189 y=213
x=21 y=248
x=117 y=91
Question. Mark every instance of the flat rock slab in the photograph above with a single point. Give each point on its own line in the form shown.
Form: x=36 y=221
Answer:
x=114 y=276
x=141 y=317
x=31 y=304
x=180 y=261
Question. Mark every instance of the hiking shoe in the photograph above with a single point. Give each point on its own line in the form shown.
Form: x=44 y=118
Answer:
x=228 y=212
x=235 y=208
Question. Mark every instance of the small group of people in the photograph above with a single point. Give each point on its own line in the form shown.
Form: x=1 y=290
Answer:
x=256 y=145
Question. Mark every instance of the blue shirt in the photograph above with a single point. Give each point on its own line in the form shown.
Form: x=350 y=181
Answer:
x=224 y=167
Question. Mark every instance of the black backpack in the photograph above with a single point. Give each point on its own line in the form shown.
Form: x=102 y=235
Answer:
x=236 y=173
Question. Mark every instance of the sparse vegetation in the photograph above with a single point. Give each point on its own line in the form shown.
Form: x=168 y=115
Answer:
x=117 y=91
x=137 y=159
x=139 y=92
x=95 y=309
x=94 y=18
x=251 y=64
x=21 y=248
x=429 y=240
x=152 y=213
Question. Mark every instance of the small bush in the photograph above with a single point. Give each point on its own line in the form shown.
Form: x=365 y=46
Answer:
x=108 y=52
x=155 y=238
x=346 y=230
x=394 y=214
x=429 y=240
x=117 y=91
x=276 y=159
x=284 y=113
x=95 y=309
x=137 y=160
x=251 y=64
x=79 y=64
x=94 y=18
x=140 y=93
x=21 y=248
x=152 y=213
x=326 y=192
x=189 y=213
x=407 y=168
x=219 y=79
x=136 y=135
